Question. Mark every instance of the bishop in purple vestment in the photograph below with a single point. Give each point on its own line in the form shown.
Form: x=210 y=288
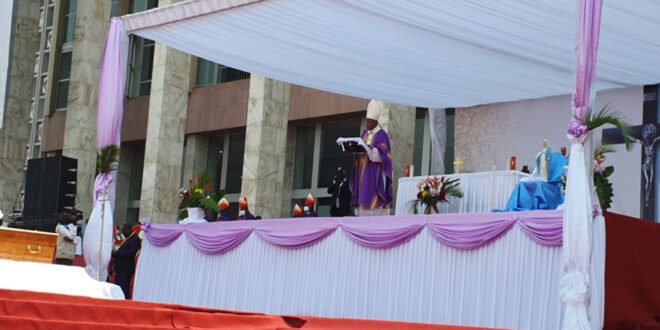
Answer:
x=372 y=177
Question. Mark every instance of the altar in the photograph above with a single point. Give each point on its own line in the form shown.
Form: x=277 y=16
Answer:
x=484 y=191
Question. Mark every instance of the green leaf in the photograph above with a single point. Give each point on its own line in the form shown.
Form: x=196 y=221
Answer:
x=614 y=118
x=106 y=161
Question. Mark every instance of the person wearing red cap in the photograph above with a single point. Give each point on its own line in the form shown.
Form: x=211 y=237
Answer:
x=223 y=205
x=308 y=209
x=244 y=211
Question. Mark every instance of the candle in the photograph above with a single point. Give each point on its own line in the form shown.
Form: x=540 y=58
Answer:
x=512 y=163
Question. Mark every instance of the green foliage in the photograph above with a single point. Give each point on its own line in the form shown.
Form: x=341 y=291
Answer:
x=106 y=162
x=608 y=116
x=604 y=187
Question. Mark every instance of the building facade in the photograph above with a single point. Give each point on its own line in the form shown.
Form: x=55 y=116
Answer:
x=268 y=140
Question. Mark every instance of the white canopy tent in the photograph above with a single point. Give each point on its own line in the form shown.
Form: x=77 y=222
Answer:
x=415 y=52
x=423 y=53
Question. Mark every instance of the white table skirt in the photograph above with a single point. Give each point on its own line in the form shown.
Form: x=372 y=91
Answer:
x=483 y=192
x=511 y=283
x=61 y=279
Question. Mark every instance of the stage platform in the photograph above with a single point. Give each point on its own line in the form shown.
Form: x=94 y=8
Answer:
x=499 y=270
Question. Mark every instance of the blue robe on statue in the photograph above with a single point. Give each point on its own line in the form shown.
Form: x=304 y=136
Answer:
x=371 y=182
x=540 y=195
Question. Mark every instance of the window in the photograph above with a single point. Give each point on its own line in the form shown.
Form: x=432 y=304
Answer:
x=146 y=66
x=234 y=176
x=214 y=161
x=209 y=73
x=114 y=8
x=304 y=157
x=418 y=149
x=317 y=157
x=142 y=58
x=224 y=174
x=64 y=72
x=70 y=7
x=63 y=77
x=135 y=185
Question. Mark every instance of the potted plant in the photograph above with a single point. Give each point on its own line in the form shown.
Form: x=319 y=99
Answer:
x=197 y=199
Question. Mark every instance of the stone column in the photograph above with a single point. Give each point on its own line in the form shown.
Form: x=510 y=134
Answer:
x=399 y=122
x=163 y=156
x=20 y=88
x=265 y=145
x=92 y=19
x=195 y=157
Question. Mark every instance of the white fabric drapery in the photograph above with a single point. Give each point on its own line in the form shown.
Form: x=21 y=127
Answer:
x=422 y=53
x=97 y=240
x=484 y=191
x=39 y=277
x=511 y=283
x=438 y=128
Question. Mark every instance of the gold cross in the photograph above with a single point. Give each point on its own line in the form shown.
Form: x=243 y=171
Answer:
x=457 y=165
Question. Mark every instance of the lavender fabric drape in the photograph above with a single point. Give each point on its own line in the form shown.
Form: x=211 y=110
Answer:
x=97 y=242
x=542 y=228
x=461 y=231
x=382 y=232
x=112 y=84
x=295 y=234
x=586 y=56
x=578 y=211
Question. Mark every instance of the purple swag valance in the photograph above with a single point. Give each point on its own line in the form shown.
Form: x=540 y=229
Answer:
x=461 y=231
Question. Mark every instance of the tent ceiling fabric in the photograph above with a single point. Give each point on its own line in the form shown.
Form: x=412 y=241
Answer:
x=415 y=52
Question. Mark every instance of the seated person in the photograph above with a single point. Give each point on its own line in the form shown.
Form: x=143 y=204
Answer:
x=544 y=193
x=223 y=205
x=308 y=209
x=243 y=210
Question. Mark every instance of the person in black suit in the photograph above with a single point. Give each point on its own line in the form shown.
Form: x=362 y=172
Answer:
x=340 y=205
x=124 y=259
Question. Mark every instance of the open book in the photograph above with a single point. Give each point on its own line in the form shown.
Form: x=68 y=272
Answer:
x=354 y=145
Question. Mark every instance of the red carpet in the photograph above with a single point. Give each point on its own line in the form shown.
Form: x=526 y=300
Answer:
x=33 y=310
x=632 y=273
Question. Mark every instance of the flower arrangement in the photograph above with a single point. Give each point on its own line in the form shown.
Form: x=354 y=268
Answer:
x=433 y=190
x=198 y=194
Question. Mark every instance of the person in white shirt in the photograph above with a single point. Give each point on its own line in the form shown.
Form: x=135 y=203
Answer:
x=66 y=241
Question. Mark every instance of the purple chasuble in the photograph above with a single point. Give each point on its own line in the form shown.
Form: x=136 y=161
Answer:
x=371 y=182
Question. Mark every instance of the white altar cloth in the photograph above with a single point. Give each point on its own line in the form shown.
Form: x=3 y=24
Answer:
x=484 y=191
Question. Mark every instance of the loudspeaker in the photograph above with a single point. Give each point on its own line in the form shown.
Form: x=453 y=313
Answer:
x=50 y=189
